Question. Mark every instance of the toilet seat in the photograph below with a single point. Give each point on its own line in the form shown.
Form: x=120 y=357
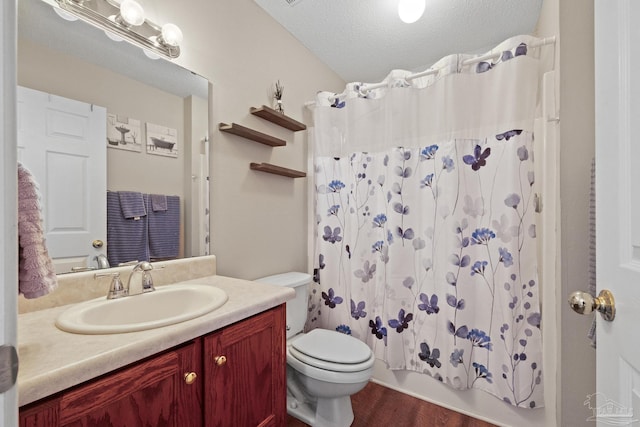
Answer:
x=326 y=375
x=330 y=366
x=332 y=351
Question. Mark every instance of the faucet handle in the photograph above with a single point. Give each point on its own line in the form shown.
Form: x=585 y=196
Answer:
x=147 y=282
x=117 y=289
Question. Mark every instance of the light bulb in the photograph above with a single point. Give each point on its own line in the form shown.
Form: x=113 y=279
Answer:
x=131 y=12
x=171 y=35
x=411 y=10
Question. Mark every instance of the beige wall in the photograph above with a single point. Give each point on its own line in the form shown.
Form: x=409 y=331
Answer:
x=577 y=149
x=259 y=221
x=573 y=21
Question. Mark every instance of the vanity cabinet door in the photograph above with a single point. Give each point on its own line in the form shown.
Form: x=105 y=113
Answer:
x=42 y=414
x=245 y=368
x=150 y=393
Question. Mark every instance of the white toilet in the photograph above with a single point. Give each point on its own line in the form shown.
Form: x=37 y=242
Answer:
x=324 y=368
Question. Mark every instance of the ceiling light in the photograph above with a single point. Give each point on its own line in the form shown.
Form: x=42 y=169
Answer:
x=411 y=10
x=126 y=21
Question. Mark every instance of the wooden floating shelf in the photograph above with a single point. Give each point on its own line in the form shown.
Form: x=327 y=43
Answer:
x=251 y=134
x=280 y=119
x=277 y=170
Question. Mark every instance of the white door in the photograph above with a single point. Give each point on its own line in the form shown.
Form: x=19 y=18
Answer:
x=63 y=143
x=617 y=62
x=8 y=233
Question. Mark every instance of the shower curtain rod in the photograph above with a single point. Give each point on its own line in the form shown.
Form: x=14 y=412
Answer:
x=371 y=86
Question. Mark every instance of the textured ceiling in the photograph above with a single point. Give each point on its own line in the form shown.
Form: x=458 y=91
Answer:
x=363 y=40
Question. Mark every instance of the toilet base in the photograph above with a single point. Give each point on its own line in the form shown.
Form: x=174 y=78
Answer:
x=305 y=412
x=324 y=412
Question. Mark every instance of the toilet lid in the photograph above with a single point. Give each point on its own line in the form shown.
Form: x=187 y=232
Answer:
x=333 y=347
x=329 y=366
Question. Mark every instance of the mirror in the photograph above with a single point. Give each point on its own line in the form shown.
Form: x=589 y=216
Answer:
x=78 y=61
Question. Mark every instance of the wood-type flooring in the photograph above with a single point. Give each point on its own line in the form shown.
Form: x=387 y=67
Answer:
x=379 y=406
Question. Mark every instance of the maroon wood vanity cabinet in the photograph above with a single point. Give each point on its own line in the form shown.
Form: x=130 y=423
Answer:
x=231 y=377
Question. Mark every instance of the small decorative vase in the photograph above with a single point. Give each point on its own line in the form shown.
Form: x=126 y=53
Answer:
x=277 y=105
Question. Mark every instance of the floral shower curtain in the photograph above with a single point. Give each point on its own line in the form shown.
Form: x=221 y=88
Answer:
x=425 y=222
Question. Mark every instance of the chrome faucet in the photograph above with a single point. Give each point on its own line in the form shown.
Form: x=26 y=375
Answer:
x=140 y=280
x=102 y=261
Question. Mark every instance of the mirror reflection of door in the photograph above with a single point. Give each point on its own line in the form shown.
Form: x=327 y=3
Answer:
x=61 y=142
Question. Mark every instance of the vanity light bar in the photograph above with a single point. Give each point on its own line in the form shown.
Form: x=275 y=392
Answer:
x=106 y=16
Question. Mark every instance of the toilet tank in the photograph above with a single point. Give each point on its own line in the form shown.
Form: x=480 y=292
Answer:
x=297 y=307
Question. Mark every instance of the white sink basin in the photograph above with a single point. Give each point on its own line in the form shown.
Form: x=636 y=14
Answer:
x=166 y=305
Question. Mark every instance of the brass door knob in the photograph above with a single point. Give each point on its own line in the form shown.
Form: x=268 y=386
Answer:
x=584 y=303
x=190 y=377
x=220 y=360
x=97 y=244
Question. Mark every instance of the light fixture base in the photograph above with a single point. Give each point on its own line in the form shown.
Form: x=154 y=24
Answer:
x=103 y=13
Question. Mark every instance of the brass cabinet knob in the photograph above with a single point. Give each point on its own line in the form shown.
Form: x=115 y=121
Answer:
x=190 y=377
x=220 y=360
x=97 y=244
x=584 y=303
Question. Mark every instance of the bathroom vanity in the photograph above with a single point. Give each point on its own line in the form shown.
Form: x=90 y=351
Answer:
x=223 y=368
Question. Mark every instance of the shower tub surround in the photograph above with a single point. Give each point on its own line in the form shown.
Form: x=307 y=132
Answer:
x=52 y=360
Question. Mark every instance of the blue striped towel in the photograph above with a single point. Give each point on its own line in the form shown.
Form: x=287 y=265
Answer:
x=132 y=204
x=164 y=229
x=127 y=238
x=158 y=202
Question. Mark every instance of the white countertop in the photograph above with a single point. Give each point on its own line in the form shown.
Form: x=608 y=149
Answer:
x=52 y=360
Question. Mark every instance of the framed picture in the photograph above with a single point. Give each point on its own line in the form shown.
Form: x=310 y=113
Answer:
x=162 y=141
x=124 y=133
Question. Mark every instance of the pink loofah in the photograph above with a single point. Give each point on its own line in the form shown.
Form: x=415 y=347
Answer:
x=36 y=273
